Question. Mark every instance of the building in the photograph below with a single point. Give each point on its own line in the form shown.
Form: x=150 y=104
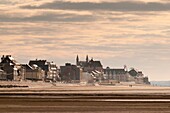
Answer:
x=89 y=65
x=3 y=75
x=32 y=73
x=50 y=69
x=53 y=71
x=92 y=67
x=146 y=80
x=87 y=78
x=70 y=73
x=11 y=67
x=123 y=75
x=120 y=74
x=139 y=76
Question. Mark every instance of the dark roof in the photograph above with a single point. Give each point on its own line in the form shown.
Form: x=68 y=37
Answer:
x=140 y=72
x=27 y=67
x=8 y=59
x=115 y=71
x=92 y=64
x=133 y=72
x=39 y=63
x=82 y=63
x=95 y=63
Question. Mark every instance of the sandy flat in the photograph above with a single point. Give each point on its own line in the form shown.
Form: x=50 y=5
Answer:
x=76 y=98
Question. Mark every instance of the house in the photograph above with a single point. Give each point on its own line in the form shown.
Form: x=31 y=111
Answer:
x=53 y=71
x=123 y=75
x=3 y=75
x=32 y=73
x=139 y=76
x=70 y=73
x=50 y=69
x=119 y=74
x=11 y=67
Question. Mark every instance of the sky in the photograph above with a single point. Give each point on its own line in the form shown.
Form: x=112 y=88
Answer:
x=135 y=33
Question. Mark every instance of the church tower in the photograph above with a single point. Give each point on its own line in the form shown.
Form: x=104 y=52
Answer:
x=87 y=58
x=77 y=60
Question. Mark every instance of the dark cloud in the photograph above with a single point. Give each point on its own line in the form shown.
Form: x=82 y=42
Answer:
x=112 y=6
x=125 y=48
x=26 y=29
x=49 y=17
x=60 y=18
x=5 y=2
x=130 y=19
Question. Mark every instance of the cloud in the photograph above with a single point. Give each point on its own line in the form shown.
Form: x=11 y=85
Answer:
x=118 y=33
x=111 y=6
x=49 y=17
x=5 y=2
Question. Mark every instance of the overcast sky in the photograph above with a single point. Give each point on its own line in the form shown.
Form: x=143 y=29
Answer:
x=117 y=32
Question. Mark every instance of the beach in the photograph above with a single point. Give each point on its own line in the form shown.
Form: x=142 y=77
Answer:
x=74 y=98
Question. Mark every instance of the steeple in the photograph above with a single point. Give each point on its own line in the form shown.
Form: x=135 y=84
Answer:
x=77 y=60
x=125 y=68
x=87 y=58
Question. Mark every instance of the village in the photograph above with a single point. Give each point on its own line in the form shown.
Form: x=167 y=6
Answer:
x=88 y=71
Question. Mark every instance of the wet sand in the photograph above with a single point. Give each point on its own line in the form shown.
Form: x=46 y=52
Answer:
x=47 y=105
x=86 y=99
